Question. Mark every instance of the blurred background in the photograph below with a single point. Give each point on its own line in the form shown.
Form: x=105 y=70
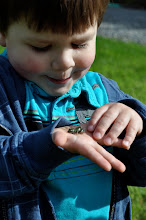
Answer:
x=121 y=56
x=131 y=3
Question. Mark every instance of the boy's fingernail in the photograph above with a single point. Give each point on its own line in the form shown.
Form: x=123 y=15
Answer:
x=97 y=135
x=108 y=141
x=127 y=144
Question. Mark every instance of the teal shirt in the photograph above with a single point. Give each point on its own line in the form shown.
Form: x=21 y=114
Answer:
x=78 y=188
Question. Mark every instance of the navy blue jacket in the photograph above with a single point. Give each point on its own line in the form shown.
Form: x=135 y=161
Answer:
x=24 y=155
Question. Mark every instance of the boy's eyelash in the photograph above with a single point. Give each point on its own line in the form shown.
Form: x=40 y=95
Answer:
x=44 y=49
x=41 y=49
x=79 y=45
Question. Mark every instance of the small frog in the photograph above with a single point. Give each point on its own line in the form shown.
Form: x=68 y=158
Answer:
x=77 y=130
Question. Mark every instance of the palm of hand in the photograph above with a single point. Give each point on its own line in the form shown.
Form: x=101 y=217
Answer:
x=84 y=144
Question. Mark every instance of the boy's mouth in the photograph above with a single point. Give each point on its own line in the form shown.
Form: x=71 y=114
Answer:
x=59 y=81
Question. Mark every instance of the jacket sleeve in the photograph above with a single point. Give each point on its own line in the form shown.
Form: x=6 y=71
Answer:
x=135 y=162
x=135 y=158
x=27 y=158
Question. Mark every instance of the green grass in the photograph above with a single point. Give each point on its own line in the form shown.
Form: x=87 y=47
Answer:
x=1 y=49
x=123 y=62
x=126 y=64
x=138 y=198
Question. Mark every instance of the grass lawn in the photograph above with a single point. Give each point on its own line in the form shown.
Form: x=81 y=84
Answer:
x=126 y=64
x=1 y=49
x=123 y=62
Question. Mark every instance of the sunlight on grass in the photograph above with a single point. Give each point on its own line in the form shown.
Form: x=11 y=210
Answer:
x=123 y=62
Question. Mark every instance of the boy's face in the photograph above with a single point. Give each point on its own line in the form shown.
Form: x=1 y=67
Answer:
x=53 y=61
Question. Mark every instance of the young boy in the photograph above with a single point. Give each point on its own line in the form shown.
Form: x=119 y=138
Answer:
x=47 y=91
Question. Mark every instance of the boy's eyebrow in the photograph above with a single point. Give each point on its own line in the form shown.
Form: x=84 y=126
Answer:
x=45 y=42
x=75 y=37
x=37 y=40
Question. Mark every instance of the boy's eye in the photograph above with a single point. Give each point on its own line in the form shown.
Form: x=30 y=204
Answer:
x=41 y=49
x=78 y=46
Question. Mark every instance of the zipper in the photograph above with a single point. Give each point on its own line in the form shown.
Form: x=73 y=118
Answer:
x=3 y=211
x=113 y=198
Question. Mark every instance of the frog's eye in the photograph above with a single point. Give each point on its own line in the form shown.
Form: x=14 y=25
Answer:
x=71 y=130
x=81 y=130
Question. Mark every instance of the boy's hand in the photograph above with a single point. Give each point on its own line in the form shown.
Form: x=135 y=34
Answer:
x=110 y=120
x=104 y=127
x=84 y=144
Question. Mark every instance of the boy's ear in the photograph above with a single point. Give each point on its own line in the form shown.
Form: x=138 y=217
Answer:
x=2 y=40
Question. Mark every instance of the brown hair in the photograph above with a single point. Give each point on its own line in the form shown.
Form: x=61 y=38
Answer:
x=63 y=16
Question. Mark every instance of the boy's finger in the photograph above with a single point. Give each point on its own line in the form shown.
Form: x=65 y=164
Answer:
x=98 y=113
x=117 y=142
x=105 y=123
x=103 y=158
x=116 y=129
x=96 y=157
x=131 y=131
x=114 y=162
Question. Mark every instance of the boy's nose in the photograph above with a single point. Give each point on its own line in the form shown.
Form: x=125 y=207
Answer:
x=62 y=61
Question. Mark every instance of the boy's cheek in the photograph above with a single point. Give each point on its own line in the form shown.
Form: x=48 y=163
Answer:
x=27 y=64
x=87 y=61
x=89 y=56
x=35 y=65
